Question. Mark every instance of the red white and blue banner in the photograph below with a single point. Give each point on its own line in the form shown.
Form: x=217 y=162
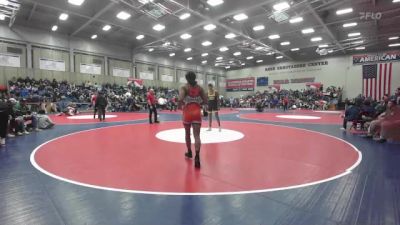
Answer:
x=136 y=82
x=376 y=58
x=377 y=80
x=243 y=84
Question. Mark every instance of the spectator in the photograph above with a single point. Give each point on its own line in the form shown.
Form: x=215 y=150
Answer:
x=43 y=121
x=384 y=120
x=352 y=113
x=101 y=104
x=4 y=115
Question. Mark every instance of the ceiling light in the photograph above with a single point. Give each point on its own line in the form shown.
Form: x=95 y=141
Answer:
x=394 y=38
x=4 y=2
x=394 y=45
x=354 y=34
x=186 y=36
x=187 y=50
x=350 y=24
x=330 y=51
x=184 y=16
x=140 y=37
x=204 y=54
x=145 y=1
x=123 y=15
x=360 y=48
x=215 y=2
x=240 y=17
x=220 y=58
x=231 y=61
x=63 y=16
x=227 y=67
x=394 y=1
x=158 y=27
x=270 y=53
x=75 y=2
x=243 y=64
x=259 y=61
x=223 y=49
x=296 y=20
x=237 y=53
x=315 y=39
x=279 y=57
x=308 y=31
x=151 y=49
x=190 y=58
x=322 y=46
x=285 y=43
x=274 y=36
x=249 y=57
x=204 y=62
x=2 y=16
x=106 y=27
x=54 y=28
x=344 y=11
x=358 y=42
x=209 y=27
x=259 y=48
x=94 y=36
x=258 y=27
x=206 y=43
x=281 y=6
x=230 y=36
x=171 y=54
x=294 y=49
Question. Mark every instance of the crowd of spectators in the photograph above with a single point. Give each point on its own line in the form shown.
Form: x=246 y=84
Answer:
x=380 y=119
x=310 y=98
x=24 y=107
x=69 y=98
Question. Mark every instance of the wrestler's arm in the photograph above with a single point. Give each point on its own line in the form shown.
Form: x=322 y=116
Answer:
x=182 y=94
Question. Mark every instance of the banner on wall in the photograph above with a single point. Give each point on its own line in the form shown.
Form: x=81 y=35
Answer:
x=51 y=64
x=273 y=88
x=10 y=60
x=167 y=78
x=314 y=85
x=146 y=76
x=244 y=84
x=90 y=68
x=136 y=82
x=376 y=58
x=295 y=80
x=262 y=81
x=121 y=72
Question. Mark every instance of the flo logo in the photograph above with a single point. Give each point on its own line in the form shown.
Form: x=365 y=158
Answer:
x=370 y=15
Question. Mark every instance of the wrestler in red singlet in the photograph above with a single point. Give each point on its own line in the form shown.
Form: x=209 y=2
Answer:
x=192 y=97
x=192 y=107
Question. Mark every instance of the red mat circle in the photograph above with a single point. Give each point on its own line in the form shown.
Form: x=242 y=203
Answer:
x=121 y=117
x=129 y=158
x=326 y=118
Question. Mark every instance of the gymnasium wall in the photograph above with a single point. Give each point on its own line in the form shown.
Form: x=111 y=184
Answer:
x=112 y=63
x=339 y=71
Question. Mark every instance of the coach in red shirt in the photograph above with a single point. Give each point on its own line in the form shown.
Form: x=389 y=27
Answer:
x=151 y=102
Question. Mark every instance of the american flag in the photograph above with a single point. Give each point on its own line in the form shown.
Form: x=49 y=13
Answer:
x=377 y=80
